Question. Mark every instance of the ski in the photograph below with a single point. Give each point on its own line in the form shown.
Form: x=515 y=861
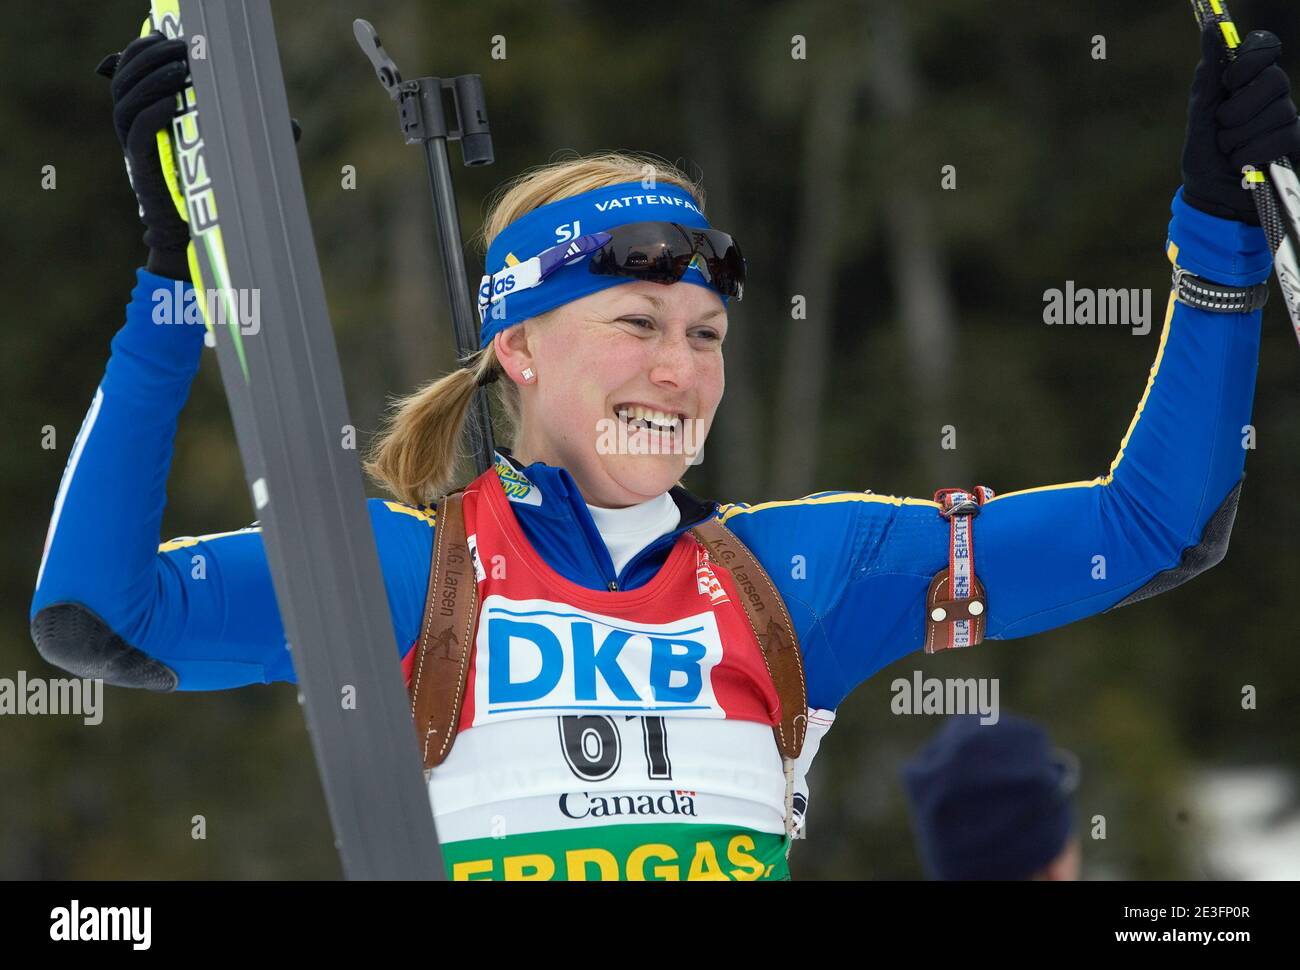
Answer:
x=251 y=235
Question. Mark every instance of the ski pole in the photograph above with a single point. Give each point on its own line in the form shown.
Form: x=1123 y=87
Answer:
x=423 y=121
x=1277 y=194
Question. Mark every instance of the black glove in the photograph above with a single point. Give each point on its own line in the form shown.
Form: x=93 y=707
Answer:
x=147 y=76
x=1241 y=113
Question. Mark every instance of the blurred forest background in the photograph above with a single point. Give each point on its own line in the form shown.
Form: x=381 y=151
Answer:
x=924 y=309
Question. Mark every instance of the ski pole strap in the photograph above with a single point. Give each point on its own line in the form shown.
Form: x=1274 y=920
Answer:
x=1215 y=297
x=441 y=667
x=955 y=605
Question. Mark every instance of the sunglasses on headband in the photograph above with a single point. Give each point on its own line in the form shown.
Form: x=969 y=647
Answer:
x=662 y=252
x=657 y=252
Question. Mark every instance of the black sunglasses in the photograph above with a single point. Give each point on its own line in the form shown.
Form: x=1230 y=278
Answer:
x=662 y=252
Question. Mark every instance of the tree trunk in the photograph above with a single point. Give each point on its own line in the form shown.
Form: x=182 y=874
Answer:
x=798 y=417
x=916 y=261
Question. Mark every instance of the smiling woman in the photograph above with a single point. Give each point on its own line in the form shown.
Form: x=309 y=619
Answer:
x=618 y=384
x=549 y=413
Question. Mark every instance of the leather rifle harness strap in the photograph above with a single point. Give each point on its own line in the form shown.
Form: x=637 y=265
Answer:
x=772 y=626
x=441 y=666
x=441 y=669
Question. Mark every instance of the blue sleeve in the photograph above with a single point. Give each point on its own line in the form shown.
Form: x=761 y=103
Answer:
x=205 y=606
x=854 y=568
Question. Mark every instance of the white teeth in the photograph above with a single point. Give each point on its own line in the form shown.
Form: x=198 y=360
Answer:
x=635 y=412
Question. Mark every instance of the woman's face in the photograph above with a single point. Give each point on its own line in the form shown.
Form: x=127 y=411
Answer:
x=613 y=369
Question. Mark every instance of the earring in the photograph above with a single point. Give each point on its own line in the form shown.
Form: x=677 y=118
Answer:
x=528 y=375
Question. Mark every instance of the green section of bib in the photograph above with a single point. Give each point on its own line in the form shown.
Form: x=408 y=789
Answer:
x=623 y=852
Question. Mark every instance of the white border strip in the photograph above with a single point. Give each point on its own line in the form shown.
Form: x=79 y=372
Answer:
x=87 y=425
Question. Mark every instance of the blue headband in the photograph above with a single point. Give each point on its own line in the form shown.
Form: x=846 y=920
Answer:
x=512 y=257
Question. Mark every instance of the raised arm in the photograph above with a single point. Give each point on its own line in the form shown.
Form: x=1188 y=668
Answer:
x=855 y=567
x=190 y=614
x=194 y=613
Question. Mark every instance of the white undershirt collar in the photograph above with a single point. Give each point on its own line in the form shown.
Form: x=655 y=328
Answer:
x=629 y=530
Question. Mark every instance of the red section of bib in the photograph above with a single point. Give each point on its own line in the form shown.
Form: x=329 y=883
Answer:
x=686 y=586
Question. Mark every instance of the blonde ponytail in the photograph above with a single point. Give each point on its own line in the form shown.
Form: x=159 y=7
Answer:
x=416 y=454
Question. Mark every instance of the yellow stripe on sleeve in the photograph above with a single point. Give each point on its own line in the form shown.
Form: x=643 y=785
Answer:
x=827 y=500
x=429 y=515
x=180 y=542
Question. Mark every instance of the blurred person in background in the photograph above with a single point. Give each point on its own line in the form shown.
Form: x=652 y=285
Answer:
x=994 y=801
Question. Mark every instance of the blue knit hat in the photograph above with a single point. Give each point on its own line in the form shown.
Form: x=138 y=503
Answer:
x=990 y=801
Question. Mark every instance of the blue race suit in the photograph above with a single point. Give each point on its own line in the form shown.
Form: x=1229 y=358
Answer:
x=1159 y=514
